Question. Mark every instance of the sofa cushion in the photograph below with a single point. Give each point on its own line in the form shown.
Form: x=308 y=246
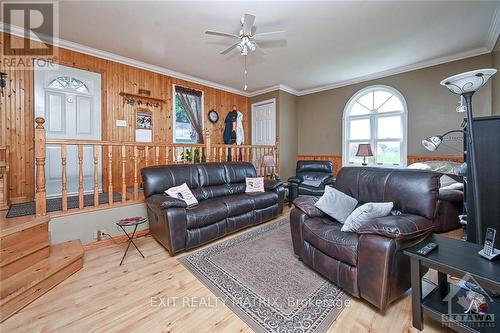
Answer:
x=237 y=204
x=365 y=213
x=211 y=174
x=263 y=199
x=336 y=204
x=310 y=190
x=206 y=212
x=236 y=172
x=325 y=235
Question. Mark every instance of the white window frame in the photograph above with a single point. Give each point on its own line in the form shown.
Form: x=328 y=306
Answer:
x=174 y=114
x=373 y=115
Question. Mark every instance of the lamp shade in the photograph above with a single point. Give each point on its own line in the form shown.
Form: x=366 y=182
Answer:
x=268 y=161
x=468 y=81
x=364 y=150
x=432 y=143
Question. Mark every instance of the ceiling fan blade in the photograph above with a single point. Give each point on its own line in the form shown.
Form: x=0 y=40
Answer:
x=248 y=21
x=271 y=44
x=223 y=34
x=229 y=49
x=269 y=33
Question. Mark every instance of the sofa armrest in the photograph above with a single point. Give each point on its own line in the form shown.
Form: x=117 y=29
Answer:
x=272 y=184
x=164 y=201
x=295 y=180
x=400 y=227
x=306 y=205
x=451 y=195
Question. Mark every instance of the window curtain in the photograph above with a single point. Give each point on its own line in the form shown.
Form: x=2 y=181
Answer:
x=191 y=102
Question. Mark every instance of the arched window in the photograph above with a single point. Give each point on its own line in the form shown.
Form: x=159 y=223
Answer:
x=66 y=82
x=376 y=115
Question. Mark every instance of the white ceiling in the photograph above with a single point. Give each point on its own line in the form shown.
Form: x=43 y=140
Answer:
x=327 y=43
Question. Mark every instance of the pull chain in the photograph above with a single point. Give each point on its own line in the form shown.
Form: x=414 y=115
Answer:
x=245 y=73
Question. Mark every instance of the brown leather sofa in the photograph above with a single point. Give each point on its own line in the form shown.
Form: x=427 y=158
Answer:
x=370 y=263
x=223 y=206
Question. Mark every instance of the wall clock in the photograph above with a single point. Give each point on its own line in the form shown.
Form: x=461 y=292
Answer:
x=213 y=116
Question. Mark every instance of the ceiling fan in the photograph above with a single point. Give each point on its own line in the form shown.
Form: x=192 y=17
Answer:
x=246 y=36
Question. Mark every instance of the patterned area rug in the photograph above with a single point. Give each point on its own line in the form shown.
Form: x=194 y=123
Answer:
x=258 y=276
x=55 y=204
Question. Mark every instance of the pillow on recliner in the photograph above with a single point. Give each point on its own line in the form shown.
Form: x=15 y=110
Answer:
x=365 y=213
x=336 y=204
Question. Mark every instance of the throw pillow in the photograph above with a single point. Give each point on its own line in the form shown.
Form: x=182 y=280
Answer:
x=365 y=213
x=336 y=204
x=254 y=184
x=446 y=181
x=184 y=193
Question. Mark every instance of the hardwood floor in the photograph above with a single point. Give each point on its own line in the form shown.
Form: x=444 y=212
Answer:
x=106 y=297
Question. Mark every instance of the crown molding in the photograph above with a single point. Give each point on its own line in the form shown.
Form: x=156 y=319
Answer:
x=281 y=87
x=398 y=70
x=61 y=43
x=493 y=34
x=494 y=31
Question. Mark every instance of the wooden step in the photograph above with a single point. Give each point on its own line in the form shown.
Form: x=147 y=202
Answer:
x=23 y=242
x=24 y=287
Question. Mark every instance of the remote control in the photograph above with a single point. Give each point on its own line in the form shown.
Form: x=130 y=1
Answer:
x=426 y=249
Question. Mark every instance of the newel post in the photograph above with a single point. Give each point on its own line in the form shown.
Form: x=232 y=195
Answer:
x=208 y=146
x=40 y=195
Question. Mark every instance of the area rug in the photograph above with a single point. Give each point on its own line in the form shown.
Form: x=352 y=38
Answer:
x=258 y=277
x=55 y=204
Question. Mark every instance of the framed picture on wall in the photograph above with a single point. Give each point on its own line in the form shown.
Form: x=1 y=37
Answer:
x=144 y=120
x=144 y=126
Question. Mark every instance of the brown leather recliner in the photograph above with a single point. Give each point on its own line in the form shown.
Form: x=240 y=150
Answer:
x=223 y=206
x=369 y=263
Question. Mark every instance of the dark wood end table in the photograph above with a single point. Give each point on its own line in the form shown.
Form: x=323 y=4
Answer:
x=445 y=303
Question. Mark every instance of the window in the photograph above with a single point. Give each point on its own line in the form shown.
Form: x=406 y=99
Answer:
x=66 y=82
x=376 y=115
x=188 y=115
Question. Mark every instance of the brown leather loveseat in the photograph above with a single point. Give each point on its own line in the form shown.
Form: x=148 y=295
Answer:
x=223 y=206
x=369 y=263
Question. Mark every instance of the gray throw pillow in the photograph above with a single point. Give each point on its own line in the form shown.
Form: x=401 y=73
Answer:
x=336 y=204
x=365 y=213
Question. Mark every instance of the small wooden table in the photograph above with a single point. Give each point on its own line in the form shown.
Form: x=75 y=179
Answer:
x=460 y=259
x=131 y=222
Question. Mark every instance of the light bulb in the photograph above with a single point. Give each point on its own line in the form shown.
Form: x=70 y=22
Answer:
x=245 y=87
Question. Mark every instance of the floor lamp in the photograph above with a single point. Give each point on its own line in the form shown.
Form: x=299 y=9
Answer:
x=466 y=84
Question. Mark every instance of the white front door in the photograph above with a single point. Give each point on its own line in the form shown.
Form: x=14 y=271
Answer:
x=264 y=123
x=70 y=101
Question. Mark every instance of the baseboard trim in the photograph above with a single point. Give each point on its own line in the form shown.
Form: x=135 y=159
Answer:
x=115 y=240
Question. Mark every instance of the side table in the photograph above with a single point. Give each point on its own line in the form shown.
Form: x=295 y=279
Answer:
x=129 y=222
x=446 y=302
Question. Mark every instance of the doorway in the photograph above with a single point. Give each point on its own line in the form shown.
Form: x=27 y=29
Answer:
x=263 y=126
x=70 y=101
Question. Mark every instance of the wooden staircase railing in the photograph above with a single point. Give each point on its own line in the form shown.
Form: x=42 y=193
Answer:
x=122 y=161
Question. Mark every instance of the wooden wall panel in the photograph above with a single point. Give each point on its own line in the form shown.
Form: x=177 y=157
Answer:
x=17 y=113
x=337 y=159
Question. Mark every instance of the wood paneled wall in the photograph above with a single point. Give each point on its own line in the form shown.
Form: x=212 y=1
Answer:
x=337 y=159
x=17 y=111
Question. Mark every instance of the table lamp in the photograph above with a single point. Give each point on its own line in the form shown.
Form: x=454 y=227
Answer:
x=268 y=161
x=364 y=150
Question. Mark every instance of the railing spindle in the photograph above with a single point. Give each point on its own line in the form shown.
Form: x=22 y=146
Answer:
x=64 y=179
x=96 y=175
x=41 y=194
x=80 y=176
x=136 y=183
x=157 y=155
x=110 y=175
x=124 y=181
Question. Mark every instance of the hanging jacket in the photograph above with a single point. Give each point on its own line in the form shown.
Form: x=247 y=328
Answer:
x=240 y=135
